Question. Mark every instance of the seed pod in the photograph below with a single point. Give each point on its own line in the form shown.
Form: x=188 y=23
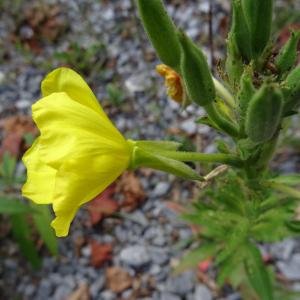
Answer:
x=258 y=14
x=264 y=113
x=246 y=91
x=288 y=54
x=161 y=31
x=292 y=85
x=195 y=72
x=240 y=30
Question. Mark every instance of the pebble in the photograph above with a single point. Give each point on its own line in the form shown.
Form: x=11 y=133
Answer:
x=161 y=189
x=169 y=296
x=182 y=284
x=202 y=293
x=290 y=269
x=135 y=256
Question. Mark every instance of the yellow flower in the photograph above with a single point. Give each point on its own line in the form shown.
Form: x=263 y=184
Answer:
x=172 y=82
x=79 y=151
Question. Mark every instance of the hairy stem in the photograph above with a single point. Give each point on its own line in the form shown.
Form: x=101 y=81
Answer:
x=228 y=159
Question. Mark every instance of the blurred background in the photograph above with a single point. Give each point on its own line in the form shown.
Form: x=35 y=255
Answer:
x=124 y=244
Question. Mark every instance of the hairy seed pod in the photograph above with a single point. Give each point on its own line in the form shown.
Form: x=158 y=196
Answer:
x=246 y=91
x=240 y=30
x=161 y=31
x=288 y=54
x=195 y=72
x=264 y=113
x=292 y=84
x=258 y=14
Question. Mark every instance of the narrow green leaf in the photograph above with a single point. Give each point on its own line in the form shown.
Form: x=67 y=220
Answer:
x=22 y=234
x=236 y=239
x=13 y=206
x=42 y=220
x=258 y=274
x=292 y=180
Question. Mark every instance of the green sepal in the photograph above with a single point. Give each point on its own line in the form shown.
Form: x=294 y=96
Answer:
x=258 y=16
x=246 y=91
x=195 y=72
x=288 y=54
x=161 y=31
x=143 y=158
x=292 y=90
x=234 y=63
x=240 y=30
x=264 y=113
x=157 y=146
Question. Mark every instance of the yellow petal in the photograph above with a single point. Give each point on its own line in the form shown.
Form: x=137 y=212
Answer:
x=39 y=186
x=76 y=184
x=69 y=128
x=68 y=81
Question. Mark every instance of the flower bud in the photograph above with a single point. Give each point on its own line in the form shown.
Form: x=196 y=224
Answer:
x=161 y=31
x=264 y=113
x=288 y=54
x=240 y=30
x=196 y=74
x=258 y=14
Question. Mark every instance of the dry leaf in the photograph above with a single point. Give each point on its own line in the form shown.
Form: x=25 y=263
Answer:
x=130 y=187
x=82 y=293
x=118 y=280
x=103 y=205
x=13 y=130
x=100 y=253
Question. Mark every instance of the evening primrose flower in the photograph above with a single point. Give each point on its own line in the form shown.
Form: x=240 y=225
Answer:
x=172 y=82
x=79 y=151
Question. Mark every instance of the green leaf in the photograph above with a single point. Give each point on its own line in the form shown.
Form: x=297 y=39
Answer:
x=22 y=234
x=195 y=256
x=42 y=220
x=231 y=266
x=8 y=167
x=13 y=206
x=292 y=180
x=257 y=273
x=294 y=226
x=236 y=239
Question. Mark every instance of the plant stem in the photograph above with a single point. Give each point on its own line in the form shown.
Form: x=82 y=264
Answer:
x=224 y=93
x=228 y=159
x=224 y=124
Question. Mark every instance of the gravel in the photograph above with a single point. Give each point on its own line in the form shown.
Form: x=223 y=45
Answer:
x=144 y=245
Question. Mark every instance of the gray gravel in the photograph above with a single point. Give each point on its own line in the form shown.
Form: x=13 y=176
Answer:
x=143 y=247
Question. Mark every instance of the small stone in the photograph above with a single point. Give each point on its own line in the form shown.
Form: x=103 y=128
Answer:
x=182 y=284
x=290 y=269
x=202 y=293
x=97 y=286
x=86 y=251
x=169 y=296
x=161 y=189
x=108 y=295
x=135 y=256
x=189 y=126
